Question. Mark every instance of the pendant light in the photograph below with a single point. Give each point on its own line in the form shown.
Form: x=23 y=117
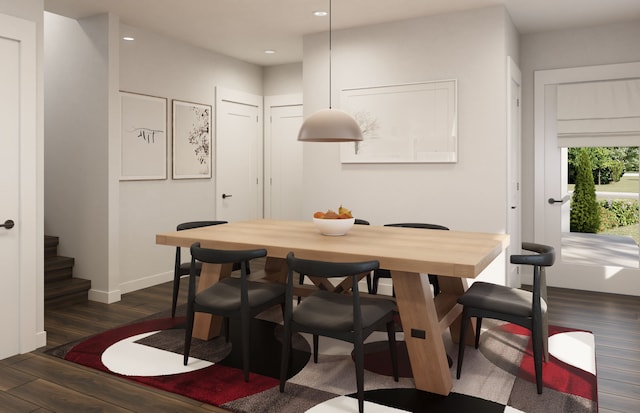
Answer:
x=330 y=125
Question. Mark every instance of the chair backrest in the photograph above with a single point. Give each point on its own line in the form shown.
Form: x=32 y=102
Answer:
x=198 y=224
x=545 y=257
x=325 y=269
x=417 y=225
x=214 y=256
x=191 y=225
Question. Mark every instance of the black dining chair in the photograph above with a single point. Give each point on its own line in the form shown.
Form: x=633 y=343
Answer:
x=346 y=317
x=524 y=308
x=182 y=269
x=374 y=280
x=231 y=297
x=357 y=221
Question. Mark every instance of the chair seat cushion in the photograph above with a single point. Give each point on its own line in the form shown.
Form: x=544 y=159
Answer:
x=334 y=312
x=498 y=298
x=225 y=294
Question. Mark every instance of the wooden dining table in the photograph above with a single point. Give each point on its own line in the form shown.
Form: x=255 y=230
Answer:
x=409 y=253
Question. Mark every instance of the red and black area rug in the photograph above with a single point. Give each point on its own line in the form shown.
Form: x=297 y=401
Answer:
x=496 y=378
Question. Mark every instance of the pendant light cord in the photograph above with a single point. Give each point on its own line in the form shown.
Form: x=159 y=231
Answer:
x=330 y=17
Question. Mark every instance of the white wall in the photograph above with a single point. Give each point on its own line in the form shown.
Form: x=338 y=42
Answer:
x=282 y=79
x=512 y=39
x=107 y=225
x=77 y=93
x=471 y=47
x=161 y=66
x=606 y=44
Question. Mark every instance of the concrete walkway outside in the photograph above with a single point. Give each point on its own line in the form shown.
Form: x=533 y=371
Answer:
x=616 y=195
x=597 y=249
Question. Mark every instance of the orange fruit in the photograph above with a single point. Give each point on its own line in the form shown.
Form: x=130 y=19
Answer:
x=318 y=214
x=330 y=215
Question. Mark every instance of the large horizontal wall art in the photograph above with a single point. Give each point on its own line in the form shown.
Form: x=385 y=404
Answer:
x=143 y=137
x=409 y=123
x=191 y=140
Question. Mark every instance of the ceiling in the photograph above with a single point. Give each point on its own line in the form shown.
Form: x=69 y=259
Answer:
x=244 y=29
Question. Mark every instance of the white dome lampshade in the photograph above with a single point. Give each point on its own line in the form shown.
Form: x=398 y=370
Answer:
x=330 y=125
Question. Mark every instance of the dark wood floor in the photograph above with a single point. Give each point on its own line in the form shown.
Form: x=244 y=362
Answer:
x=37 y=382
x=615 y=322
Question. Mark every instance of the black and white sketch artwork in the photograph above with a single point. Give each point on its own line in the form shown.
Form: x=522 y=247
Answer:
x=143 y=137
x=192 y=143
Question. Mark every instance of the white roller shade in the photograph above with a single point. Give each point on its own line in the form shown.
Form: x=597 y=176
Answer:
x=591 y=111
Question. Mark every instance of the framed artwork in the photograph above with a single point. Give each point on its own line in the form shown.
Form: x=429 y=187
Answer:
x=408 y=123
x=192 y=143
x=143 y=138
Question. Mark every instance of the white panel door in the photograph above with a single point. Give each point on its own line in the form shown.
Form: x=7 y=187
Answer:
x=238 y=156
x=283 y=158
x=9 y=208
x=551 y=210
x=17 y=135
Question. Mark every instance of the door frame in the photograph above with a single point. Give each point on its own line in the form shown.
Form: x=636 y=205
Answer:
x=29 y=224
x=514 y=171
x=544 y=79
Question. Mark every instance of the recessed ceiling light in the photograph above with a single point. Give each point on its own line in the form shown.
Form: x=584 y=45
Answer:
x=320 y=13
x=269 y=51
x=128 y=38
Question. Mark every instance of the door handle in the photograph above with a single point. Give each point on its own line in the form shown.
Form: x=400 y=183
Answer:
x=225 y=196
x=8 y=224
x=562 y=200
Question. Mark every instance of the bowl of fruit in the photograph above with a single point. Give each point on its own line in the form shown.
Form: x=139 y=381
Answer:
x=334 y=223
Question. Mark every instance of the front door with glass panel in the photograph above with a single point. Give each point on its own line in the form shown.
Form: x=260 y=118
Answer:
x=595 y=108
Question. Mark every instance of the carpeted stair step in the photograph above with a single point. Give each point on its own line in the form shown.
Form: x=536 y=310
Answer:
x=66 y=292
x=60 y=288
x=58 y=268
x=50 y=246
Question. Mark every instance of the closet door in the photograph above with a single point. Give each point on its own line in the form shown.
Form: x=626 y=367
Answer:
x=18 y=157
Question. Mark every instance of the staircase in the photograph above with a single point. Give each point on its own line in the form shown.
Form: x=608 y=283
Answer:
x=60 y=288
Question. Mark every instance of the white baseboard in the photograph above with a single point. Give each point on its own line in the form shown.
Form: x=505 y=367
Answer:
x=41 y=339
x=145 y=282
x=385 y=286
x=106 y=297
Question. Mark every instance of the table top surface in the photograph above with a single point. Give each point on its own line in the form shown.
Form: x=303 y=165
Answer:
x=450 y=253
